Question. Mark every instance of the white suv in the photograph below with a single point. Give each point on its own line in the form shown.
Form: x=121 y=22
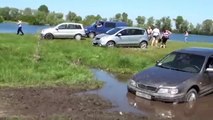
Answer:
x=64 y=30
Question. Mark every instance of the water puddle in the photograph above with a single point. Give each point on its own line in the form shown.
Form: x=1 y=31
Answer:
x=115 y=90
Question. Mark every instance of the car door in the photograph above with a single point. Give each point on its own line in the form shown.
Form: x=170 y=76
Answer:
x=72 y=30
x=208 y=76
x=136 y=36
x=61 y=31
x=129 y=37
x=122 y=37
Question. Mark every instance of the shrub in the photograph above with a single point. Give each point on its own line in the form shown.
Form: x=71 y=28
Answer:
x=1 y=19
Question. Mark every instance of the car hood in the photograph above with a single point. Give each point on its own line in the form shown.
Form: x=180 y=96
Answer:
x=157 y=76
x=102 y=35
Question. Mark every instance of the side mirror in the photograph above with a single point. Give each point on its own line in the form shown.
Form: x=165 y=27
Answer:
x=209 y=70
x=119 y=34
x=56 y=29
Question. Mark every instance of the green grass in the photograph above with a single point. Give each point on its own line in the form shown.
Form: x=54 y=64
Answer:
x=27 y=61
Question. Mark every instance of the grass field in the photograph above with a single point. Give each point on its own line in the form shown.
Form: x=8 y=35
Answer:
x=28 y=61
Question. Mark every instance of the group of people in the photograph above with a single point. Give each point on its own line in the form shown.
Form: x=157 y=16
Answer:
x=155 y=36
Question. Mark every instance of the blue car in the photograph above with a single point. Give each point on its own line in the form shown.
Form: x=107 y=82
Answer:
x=102 y=27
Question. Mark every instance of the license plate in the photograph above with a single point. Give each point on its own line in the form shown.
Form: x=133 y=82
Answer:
x=143 y=95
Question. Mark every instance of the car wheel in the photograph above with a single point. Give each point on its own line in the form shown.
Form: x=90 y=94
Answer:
x=143 y=45
x=110 y=44
x=91 y=35
x=49 y=36
x=78 y=37
x=191 y=95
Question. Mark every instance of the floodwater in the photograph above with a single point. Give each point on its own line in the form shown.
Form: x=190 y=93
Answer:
x=115 y=90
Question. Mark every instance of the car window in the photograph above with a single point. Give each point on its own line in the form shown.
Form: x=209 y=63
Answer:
x=137 y=32
x=110 y=25
x=113 y=31
x=168 y=59
x=64 y=26
x=183 y=62
x=140 y=32
x=133 y=32
x=71 y=26
x=99 y=24
x=210 y=63
x=124 y=32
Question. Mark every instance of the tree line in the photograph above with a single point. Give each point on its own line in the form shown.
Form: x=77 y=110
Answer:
x=43 y=16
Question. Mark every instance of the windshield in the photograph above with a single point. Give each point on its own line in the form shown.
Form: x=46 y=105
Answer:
x=113 y=31
x=182 y=62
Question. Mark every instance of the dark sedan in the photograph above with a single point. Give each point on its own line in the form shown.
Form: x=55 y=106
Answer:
x=181 y=76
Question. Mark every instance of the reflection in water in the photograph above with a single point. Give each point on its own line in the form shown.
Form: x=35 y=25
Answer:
x=115 y=91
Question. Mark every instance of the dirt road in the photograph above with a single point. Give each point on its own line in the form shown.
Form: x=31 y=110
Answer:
x=56 y=103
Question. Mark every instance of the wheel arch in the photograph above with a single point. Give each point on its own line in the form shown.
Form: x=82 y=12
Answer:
x=144 y=41
x=77 y=34
x=194 y=87
x=111 y=41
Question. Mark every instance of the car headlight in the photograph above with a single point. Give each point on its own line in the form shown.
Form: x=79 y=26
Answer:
x=172 y=91
x=132 y=82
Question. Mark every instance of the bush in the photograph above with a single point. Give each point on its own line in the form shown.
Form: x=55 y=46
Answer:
x=1 y=19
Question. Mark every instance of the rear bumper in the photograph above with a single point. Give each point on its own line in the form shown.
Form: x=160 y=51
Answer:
x=157 y=96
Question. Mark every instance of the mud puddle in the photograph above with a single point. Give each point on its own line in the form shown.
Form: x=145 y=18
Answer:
x=115 y=91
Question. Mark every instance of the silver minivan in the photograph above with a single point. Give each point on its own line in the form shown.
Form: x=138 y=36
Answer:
x=64 y=30
x=123 y=36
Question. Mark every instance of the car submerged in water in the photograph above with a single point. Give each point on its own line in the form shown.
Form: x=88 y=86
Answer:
x=181 y=76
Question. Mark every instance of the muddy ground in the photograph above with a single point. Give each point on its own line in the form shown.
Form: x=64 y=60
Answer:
x=59 y=103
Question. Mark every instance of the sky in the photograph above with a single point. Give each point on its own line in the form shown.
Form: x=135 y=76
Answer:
x=195 y=11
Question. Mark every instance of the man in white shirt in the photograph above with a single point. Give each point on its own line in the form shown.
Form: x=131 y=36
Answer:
x=20 y=28
x=156 y=36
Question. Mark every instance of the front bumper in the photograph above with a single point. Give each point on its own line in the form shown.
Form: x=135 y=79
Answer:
x=41 y=36
x=98 y=42
x=157 y=96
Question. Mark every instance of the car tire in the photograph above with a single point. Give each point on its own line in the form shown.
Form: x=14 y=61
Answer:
x=91 y=35
x=143 y=45
x=49 y=36
x=191 y=95
x=78 y=37
x=110 y=44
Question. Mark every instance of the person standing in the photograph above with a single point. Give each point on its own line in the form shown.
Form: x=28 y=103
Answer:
x=149 y=32
x=186 y=36
x=20 y=28
x=165 y=37
x=155 y=37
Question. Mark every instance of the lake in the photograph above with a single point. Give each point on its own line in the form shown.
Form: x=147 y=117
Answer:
x=33 y=29
x=27 y=29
